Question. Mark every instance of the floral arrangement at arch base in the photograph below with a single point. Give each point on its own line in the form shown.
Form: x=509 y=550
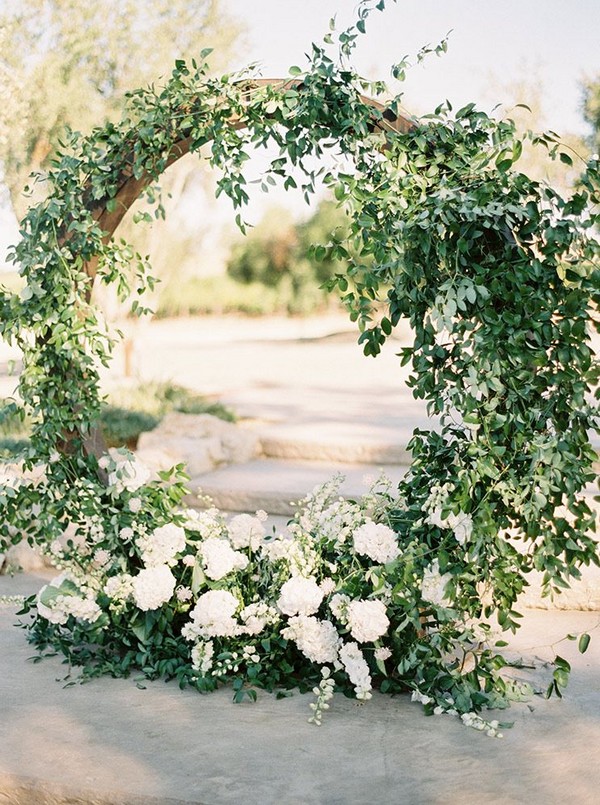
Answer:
x=341 y=601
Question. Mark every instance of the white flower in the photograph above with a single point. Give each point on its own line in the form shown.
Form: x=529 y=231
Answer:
x=258 y=616
x=357 y=670
x=188 y=560
x=120 y=587
x=433 y=586
x=246 y=531
x=56 y=606
x=462 y=526
x=153 y=587
x=367 y=620
x=300 y=596
x=202 y=656
x=207 y=523
x=135 y=504
x=183 y=593
x=220 y=559
x=300 y=558
x=162 y=545
x=213 y=614
x=339 y=607
x=317 y=640
x=376 y=541
x=382 y=654
x=327 y=586
x=102 y=558
x=126 y=534
x=127 y=473
x=417 y=696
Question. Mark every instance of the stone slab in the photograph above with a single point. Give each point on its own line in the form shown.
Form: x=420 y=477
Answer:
x=276 y=485
x=111 y=741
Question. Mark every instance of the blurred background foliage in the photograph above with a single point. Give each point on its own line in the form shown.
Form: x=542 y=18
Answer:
x=71 y=63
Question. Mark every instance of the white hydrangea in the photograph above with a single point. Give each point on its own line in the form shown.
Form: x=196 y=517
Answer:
x=257 y=617
x=153 y=587
x=317 y=640
x=357 y=669
x=213 y=614
x=162 y=545
x=433 y=586
x=367 y=620
x=377 y=541
x=246 y=531
x=202 y=656
x=183 y=594
x=219 y=558
x=300 y=596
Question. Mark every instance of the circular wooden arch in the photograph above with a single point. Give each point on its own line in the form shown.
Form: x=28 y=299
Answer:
x=108 y=212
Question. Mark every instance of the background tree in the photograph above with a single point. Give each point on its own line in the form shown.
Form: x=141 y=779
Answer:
x=70 y=63
x=279 y=253
x=591 y=110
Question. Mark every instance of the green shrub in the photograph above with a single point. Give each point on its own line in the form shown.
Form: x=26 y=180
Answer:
x=122 y=427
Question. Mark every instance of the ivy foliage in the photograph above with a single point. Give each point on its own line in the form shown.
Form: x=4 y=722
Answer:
x=497 y=275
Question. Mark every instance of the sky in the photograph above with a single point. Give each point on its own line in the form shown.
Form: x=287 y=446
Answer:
x=552 y=44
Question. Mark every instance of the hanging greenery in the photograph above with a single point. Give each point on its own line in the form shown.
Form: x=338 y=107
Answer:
x=406 y=589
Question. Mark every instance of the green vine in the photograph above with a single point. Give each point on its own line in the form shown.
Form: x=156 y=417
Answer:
x=497 y=275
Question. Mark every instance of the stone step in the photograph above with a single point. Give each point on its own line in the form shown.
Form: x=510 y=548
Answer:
x=336 y=442
x=275 y=485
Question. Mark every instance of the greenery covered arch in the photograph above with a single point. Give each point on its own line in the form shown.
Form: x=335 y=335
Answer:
x=497 y=275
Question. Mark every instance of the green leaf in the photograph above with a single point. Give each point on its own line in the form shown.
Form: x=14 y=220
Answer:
x=584 y=642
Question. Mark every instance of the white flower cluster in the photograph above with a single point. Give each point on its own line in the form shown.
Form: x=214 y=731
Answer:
x=300 y=596
x=357 y=669
x=202 y=656
x=336 y=523
x=162 y=545
x=367 y=620
x=58 y=600
x=153 y=587
x=300 y=558
x=208 y=523
x=317 y=640
x=213 y=616
x=433 y=586
x=460 y=524
x=125 y=471
x=220 y=559
x=119 y=588
x=377 y=541
x=246 y=531
x=257 y=617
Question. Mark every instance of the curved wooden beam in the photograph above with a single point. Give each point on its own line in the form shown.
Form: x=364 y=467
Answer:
x=130 y=187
